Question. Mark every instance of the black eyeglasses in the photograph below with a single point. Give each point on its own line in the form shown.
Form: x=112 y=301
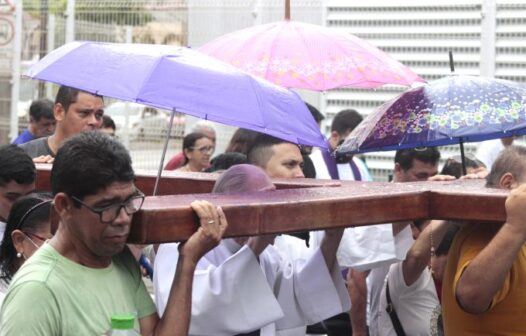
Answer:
x=109 y=213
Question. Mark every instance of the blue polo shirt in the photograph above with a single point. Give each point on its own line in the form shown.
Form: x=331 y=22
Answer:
x=24 y=137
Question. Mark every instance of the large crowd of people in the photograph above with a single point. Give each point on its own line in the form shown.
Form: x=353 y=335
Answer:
x=422 y=277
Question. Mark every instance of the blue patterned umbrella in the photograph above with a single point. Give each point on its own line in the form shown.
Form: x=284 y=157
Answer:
x=451 y=110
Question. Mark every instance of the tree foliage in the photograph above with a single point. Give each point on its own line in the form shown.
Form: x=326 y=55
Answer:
x=121 y=12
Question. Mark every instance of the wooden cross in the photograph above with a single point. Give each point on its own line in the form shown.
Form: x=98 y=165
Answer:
x=302 y=204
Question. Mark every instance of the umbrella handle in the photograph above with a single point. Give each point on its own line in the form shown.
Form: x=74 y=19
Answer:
x=164 y=153
x=287 y=10
x=462 y=157
x=451 y=63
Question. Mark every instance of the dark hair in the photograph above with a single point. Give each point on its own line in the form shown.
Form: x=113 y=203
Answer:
x=41 y=108
x=89 y=162
x=346 y=120
x=241 y=141
x=189 y=141
x=405 y=157
x=512 y=160
x=445 y=244
x=261 y=151
x=28 y=214
x=225 y=161
x=453 y=165
x=107 y=122
x=316 y=114
x=67 y=95
x=15 y=165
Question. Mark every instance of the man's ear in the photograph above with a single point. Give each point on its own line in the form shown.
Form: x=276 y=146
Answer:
x=62 y=204
x=397 y=168
x=59 y=112
x=507 y=181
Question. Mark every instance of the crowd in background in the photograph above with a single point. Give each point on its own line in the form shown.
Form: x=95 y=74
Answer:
x=407 y=278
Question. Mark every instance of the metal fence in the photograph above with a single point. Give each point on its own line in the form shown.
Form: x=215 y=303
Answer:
x=419 y=34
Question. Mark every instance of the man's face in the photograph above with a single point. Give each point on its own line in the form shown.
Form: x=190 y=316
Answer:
x=9 y=193
x=43 y=127
x=286 y=162
x=419 y=171
x=100 y=239
x=337 y=139
x=83 y=115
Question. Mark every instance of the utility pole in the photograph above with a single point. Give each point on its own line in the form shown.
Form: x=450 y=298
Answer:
x=15 y=79
x=43 y=42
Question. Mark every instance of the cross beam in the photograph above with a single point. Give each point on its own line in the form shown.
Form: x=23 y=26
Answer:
x=175 y=183
x=304 y=204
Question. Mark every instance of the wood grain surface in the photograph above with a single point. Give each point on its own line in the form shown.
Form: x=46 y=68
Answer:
x=302 y=204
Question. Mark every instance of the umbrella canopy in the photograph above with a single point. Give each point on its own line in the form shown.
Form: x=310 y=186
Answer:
x=183 y=80
x=305 y=56
x=451 y=110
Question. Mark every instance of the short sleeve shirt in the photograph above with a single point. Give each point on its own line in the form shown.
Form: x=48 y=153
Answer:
x=37 y=147
x=52 y=295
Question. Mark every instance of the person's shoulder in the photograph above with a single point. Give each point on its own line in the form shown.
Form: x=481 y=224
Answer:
x=125 y=261
x=38 y=268
x=479 y=230
x=34 y=142
x=23 y=138
x=36 y=147
x=37 y=297
x=316 y=155
x=175 y=162
x=358 y=160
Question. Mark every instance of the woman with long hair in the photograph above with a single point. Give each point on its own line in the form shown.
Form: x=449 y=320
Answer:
x=27 y=228
x=197 y=149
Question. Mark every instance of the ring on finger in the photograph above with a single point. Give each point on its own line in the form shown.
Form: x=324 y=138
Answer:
x=211 y=221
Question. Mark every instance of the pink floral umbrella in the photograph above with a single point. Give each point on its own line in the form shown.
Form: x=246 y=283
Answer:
x=305 y=56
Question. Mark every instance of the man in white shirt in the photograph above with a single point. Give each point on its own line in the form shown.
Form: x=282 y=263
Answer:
x=245 y=285
x=329 y=167
x=413 y=303
x=411 y=165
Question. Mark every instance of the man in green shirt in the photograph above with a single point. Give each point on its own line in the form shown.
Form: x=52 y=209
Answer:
x=85 y=274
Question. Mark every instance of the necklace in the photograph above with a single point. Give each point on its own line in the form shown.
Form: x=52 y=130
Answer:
x=432 y=249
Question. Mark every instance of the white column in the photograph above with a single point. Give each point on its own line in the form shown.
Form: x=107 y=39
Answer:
x=51 y=27
x=488 y=38
x=70 y=21
x=15 y=78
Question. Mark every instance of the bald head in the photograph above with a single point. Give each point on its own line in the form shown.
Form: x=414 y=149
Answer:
x=509 y=169
x=243 y=178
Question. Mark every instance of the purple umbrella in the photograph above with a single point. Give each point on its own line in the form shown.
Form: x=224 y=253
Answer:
x=451 y=110
x=183 y=80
